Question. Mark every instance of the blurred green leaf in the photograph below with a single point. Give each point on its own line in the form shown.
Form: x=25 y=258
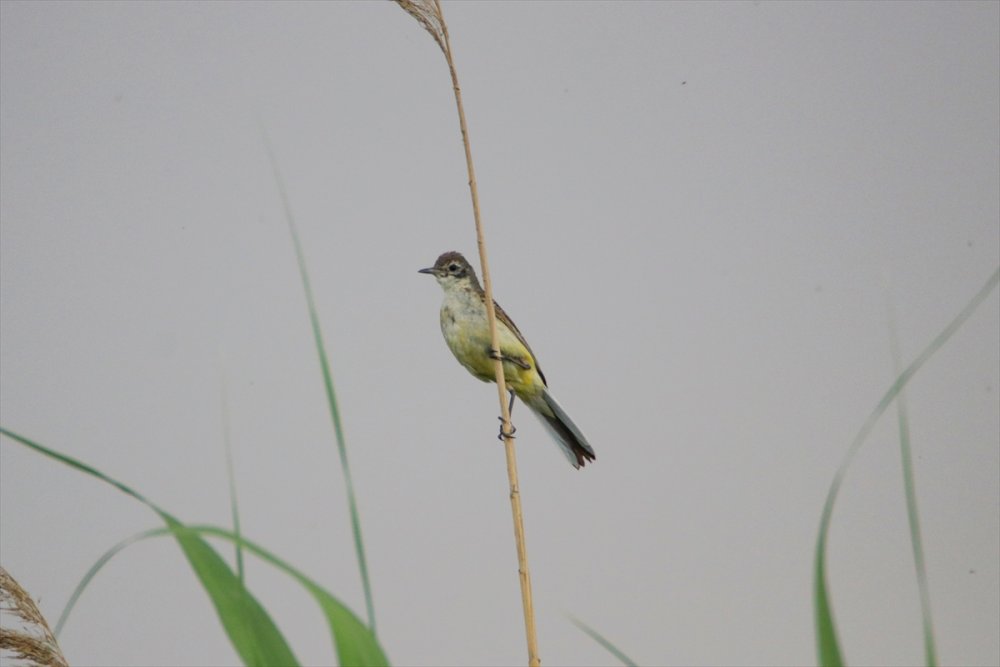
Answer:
x=910 y=490
x=827 y=646
x=600 y=639
x=354 y=642
x=331 y=394
x=253 y=634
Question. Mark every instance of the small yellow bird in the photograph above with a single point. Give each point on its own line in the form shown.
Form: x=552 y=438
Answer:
x=466 y=330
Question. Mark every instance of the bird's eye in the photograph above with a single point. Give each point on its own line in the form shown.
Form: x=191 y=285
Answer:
x=453 y=267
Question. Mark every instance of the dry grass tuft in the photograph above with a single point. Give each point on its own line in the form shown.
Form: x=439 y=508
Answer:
x=428 y=14
x=34 y=641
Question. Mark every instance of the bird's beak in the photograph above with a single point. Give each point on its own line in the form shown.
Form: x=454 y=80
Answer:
x=429 y=270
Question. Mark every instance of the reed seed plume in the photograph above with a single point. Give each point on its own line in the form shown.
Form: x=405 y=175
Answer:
x=33 y=642
x=428 y=14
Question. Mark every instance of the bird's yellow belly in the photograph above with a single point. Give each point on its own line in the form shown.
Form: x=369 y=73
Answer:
x=467 y=334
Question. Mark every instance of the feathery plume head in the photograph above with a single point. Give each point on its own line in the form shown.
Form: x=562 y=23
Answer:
x=428 y=14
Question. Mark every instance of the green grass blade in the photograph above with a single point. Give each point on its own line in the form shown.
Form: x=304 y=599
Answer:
x=910 y=490
x=331 y=395
x=353 y=641
x=250 y=628
x=600 y=639
x=253 y=634
x=96 y=567
x=231 y=476
x=827 y=645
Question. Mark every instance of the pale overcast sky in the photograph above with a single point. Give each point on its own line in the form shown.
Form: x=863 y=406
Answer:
x=696 y=213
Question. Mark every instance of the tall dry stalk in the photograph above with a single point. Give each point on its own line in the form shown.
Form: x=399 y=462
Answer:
x=428 y=14
x=34 y=642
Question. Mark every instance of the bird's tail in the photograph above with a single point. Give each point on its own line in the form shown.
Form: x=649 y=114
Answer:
x=562 y=428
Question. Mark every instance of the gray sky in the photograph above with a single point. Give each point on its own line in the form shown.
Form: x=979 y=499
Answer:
x=696 y=213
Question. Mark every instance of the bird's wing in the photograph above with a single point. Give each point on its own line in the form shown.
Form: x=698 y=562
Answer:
x=509 y=323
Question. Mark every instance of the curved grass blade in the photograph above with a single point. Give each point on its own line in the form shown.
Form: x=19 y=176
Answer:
x=96 y=567
x=253 y=634
x=827 y=645
x=353 y=642
x=331 y=395
x=910 y=490
x=600 y=639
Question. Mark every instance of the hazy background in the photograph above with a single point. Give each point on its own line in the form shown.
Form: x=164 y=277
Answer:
x=696 y=213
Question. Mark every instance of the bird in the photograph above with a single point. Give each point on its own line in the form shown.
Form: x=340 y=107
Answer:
x=467 y=333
